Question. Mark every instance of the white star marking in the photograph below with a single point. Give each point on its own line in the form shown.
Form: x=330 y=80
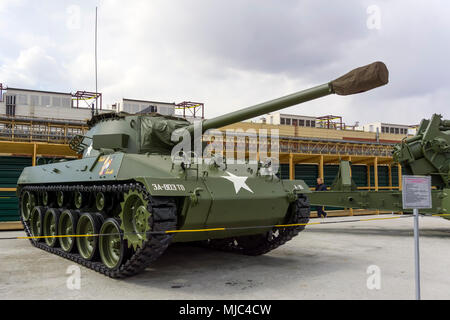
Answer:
x=239 y=182
x=89 y=149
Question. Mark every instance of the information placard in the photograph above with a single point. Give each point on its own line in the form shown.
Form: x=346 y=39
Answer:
x=416 y=192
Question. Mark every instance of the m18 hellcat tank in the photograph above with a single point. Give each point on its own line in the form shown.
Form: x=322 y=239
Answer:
x=120 y=206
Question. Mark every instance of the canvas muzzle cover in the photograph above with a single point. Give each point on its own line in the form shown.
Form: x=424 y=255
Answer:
x=361 y=79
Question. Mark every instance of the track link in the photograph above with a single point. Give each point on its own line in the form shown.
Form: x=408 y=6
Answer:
x=163 y=218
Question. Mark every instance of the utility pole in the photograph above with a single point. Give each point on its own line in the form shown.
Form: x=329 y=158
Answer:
x=96 y=74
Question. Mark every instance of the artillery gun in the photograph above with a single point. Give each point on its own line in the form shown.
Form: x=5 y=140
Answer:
x=428 y=152
x=119 y=207
x=425 y=154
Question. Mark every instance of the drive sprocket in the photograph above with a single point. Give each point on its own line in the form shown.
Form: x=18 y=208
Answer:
x=136 y=219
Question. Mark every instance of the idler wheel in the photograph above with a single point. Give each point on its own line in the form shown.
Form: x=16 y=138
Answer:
x=88 y=224
x=67 y=226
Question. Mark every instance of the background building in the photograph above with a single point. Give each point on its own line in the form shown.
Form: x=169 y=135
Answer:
x=328 y=121
x=25 y=103
x=382 y=127
x=278 y=118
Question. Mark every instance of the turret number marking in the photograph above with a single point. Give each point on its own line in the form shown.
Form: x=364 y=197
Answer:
x=168 y=187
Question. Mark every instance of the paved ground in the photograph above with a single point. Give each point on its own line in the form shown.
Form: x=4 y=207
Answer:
x=323 y=262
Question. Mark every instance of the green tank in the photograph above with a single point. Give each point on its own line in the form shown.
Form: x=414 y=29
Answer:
x=130 y=195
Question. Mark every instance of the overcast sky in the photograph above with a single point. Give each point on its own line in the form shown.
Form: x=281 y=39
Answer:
x=234 y=53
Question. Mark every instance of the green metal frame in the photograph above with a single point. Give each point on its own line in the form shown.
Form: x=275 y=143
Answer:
x=345 y=195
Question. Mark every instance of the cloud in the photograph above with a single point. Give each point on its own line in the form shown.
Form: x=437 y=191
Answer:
x=33 y=68
x=236 y=53
x=6 y=4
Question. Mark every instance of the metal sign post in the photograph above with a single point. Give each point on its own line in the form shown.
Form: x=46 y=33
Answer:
x=416 y=195
x=416 y=252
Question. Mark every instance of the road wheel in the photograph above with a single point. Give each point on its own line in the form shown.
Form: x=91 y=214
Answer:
x=67 y=226
x=50 y=227
x=88 y=224
x=113 y=248
x=36 y=218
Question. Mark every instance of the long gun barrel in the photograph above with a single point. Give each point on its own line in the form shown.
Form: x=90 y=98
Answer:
x=356 y=81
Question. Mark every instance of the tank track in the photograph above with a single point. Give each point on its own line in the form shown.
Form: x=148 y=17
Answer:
x=259 y=244
x=163 y=218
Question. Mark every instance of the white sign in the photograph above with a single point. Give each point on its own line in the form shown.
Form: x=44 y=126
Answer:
x=416 y=192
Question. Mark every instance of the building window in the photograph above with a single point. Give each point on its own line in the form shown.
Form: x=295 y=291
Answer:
x=66 y=102
x=10 y=111
x=56 y=102
x=34 y=100
x=132 y=108
x=397 y=131
x=11 y=106
x=282 y=121
x=294 y=122
x=308 y=123
x=313 y=123
x=391 y=130
x=302 y=123
x=45 y=101
x=22 y=99
x=288 y=122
